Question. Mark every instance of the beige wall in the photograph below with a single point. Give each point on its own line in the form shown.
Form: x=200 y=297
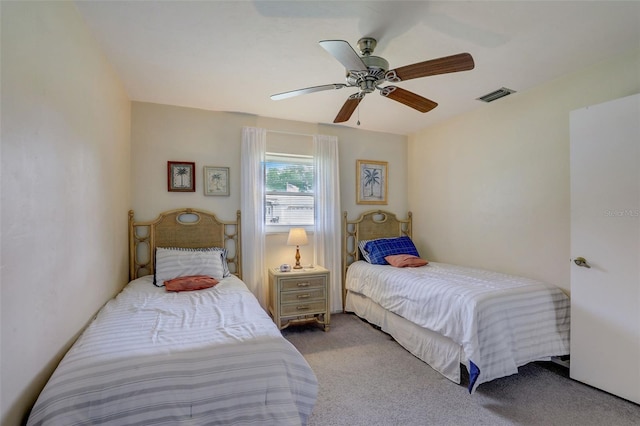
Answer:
x=488 y=189
x=491 y=188
x=65 y=191
x=162 y=133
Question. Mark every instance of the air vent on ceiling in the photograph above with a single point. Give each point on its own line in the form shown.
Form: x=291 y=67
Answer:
x=496 y=94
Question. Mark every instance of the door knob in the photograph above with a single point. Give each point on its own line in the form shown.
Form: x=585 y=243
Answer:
x=581 y=261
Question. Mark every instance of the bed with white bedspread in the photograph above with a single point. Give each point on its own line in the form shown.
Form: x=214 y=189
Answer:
x=205 y=356
x=450 y=315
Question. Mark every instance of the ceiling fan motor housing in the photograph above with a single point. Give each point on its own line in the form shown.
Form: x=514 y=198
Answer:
x=374 y=75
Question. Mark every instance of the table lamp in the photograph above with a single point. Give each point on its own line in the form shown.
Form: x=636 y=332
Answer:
x=297 y=237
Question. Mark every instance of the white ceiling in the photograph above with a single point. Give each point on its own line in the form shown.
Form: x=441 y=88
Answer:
x=232 y=55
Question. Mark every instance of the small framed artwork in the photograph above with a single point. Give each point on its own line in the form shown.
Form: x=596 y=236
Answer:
x=181 y=176
x=216 y=180
x=371 y=180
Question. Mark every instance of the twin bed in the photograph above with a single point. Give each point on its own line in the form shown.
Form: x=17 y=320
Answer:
x=205 y=353
x=449 y=315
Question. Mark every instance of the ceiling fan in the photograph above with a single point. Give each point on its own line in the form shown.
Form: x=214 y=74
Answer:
x=368 y=72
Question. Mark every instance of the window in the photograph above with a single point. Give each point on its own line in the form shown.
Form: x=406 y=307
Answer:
x=289 y=196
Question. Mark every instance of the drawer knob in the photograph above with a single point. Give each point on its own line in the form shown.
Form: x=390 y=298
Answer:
x=303 y=296
x=303 y=284
x=302 y=308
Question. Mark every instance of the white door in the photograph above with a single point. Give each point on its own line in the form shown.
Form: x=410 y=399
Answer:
x=605 y=231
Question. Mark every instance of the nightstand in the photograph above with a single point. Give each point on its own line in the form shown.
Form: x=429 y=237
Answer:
x=299 y=297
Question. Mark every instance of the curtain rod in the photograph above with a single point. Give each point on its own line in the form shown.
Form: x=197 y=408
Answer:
x=290 y=133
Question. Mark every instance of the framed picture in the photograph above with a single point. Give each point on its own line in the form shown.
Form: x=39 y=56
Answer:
x=371 y=180
x=181 y=176
x=216 y=180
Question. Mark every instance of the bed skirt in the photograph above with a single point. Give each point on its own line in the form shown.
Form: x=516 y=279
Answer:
x=441 y=353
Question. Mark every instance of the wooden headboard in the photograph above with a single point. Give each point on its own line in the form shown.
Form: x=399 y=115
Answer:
x=368 y=226
x=188 y=228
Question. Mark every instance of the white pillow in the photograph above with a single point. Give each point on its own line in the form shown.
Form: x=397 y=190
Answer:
x=363 y=251
x=174 y=262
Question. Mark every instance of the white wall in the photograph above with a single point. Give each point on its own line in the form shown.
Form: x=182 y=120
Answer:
x=490 y=188
x=65 y=191
x=162 y=133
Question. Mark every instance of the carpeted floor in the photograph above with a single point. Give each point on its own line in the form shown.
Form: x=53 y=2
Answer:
x=366 y=378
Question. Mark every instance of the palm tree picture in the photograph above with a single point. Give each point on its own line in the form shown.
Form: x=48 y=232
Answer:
x=371 y=181
x=182 y=172
x=180 y=175
x=216 y=180
x=371 y=178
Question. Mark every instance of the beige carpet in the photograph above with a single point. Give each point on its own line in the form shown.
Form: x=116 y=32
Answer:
x=366 y=378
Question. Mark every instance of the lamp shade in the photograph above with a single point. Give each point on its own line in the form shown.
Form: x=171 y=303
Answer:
x=297 y=237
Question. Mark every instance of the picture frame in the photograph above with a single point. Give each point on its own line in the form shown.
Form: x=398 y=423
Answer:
x=216 y=180
x=181 y=176
x=371 y=182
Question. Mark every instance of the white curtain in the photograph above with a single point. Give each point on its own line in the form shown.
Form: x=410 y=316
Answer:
x=252 y=153
x=327 y=235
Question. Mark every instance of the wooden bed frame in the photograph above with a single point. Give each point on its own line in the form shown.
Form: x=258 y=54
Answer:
x=368 y=226
x=383 y=224
x=108 y=374
x=186 y=227
x=442 y=353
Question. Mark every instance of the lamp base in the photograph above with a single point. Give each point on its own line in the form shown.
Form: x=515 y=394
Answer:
x=298 y=266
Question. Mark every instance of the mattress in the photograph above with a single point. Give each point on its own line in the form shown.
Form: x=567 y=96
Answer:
x=500 y=321
x=150 y=356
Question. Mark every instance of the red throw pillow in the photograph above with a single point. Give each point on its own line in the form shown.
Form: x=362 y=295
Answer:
x=404 y=260
x=188 y=283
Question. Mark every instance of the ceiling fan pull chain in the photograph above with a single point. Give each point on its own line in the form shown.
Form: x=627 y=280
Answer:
x=358 y=123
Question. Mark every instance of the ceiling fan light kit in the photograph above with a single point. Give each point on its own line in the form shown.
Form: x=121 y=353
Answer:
x=367 y=73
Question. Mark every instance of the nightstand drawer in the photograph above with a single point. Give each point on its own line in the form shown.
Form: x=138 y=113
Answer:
x=303 y=308
x=312 y=294
x=301 y=283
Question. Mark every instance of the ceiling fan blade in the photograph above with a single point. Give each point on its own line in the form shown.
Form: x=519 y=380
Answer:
x=408 y=98
x=347 y=109
x=304 y=91
x=454 y=63
x=344 y=53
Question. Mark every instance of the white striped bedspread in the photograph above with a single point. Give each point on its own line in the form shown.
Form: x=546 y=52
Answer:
x=500 y=321
x=152 y=357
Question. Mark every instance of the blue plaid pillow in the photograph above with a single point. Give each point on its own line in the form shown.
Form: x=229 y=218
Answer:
x=378 y=249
